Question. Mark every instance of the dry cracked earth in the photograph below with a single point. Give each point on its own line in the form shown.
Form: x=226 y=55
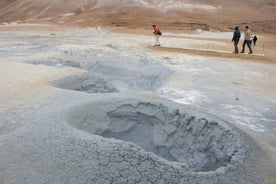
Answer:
x=92 y=106
x=86 y=99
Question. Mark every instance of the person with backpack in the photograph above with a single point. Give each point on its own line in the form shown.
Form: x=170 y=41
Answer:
x=157 y=33
x=236 y=39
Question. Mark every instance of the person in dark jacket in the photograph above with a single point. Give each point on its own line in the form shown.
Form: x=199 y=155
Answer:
x=236 y=39
x=255 y=40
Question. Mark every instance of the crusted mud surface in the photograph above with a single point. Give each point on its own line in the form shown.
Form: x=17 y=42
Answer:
x=168 y=143
x=94 y=107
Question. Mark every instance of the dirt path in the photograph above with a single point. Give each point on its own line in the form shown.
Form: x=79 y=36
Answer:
x=257 y=58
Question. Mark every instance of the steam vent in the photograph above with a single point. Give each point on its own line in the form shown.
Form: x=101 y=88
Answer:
x=138 y=141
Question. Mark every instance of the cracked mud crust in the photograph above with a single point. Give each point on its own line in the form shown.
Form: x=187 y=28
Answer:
x=163 y=142
x=122 y=131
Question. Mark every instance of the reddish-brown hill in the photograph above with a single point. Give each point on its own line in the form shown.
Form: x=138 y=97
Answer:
x=173 y=14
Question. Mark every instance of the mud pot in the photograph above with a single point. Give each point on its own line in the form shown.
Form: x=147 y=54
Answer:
x=195 y=144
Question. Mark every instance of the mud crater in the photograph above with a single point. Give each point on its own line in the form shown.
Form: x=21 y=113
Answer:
x=85 y=83
x=202 y=143
x=107 y=79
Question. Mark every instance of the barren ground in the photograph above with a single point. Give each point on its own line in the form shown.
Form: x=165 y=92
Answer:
x=75 y=103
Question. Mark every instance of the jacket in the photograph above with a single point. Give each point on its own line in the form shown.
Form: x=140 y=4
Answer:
x=236 y=35
x=247 y=34
x=156 y=30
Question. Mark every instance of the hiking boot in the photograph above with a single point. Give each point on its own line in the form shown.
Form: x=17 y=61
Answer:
x=250 y=53
x=242 y=51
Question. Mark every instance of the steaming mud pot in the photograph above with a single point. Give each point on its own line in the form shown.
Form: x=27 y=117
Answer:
x=116 y=76
x=164 y=142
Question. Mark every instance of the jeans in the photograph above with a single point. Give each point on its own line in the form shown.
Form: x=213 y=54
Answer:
x=236 y=42
x=157 y=39
x=248 y=43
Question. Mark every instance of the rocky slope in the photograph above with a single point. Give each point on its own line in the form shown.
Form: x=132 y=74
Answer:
x=173 y=14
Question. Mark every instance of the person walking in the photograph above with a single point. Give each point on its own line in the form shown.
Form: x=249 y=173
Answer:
x=247 y=40
x=255 y=40
x=236 y=39
x=157 y=33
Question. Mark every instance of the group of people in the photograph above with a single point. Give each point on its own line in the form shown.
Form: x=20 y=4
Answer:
x=247 y=40
x=236 y=38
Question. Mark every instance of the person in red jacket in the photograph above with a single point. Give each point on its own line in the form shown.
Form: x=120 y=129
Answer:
x=157 y=34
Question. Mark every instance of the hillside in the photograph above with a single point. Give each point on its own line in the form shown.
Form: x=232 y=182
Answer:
x=173 y=14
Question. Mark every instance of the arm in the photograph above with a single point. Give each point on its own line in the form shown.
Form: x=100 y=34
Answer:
x=156 y=30
x=235 y=36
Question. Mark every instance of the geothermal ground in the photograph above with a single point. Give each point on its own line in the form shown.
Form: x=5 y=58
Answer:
x=97 y=106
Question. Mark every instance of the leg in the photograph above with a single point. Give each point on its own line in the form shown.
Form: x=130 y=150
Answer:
x=236 y=46
x=243 y=46
x=249 y=46
x=250 y=42
x=157 y=40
